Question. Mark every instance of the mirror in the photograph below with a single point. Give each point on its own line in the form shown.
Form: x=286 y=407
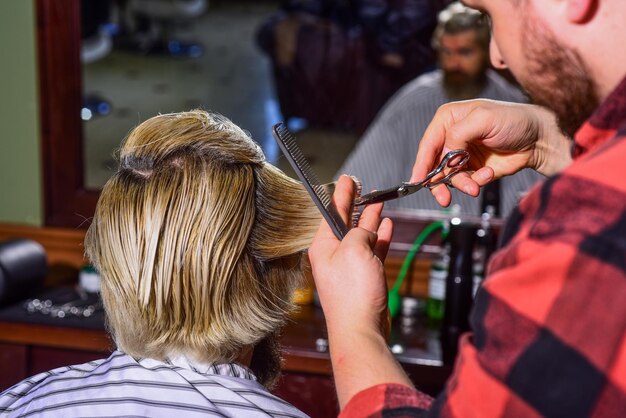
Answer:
x=145 y=57
x=327 y=65
x=78 y=146
x=78 y=153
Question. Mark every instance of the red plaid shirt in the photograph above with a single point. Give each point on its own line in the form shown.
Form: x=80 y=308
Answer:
x=549 y=323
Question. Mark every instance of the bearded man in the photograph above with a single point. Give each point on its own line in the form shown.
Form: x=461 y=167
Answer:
x=384 y=155
x=548 y=325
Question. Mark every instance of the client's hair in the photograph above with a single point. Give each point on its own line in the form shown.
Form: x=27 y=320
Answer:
x=199 y=241
x=456 y=19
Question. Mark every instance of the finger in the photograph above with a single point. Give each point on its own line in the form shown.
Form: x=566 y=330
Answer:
x=370 y=217
x=433 y=142
x=483 y=176
x=442 y=195
x=343 y=198
x=323 y=245
x=325 y=242
x=477 y=125
x=465 y=183
x=454 y=126
x=385 y=231
x=429 y=151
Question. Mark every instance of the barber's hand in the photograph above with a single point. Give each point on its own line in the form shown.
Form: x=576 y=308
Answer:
x=502 y=139
x=349 y=274
x=351 y=285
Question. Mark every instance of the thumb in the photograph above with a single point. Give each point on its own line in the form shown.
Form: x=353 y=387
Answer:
x=325 y=242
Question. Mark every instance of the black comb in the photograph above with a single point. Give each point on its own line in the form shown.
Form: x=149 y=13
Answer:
x=287 y=143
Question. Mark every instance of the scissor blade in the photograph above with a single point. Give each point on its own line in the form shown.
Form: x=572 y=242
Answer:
x=378 y=196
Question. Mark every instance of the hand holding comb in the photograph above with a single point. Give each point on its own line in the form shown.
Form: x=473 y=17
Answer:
x=318 y=192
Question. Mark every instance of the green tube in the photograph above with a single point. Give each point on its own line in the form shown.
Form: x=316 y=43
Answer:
x=394 y=293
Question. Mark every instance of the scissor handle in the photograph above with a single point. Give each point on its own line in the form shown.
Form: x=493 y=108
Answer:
x=454 y=160
x=450 y=160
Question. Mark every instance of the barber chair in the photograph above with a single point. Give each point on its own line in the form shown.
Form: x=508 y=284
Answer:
x=23 y=268
x=151 y=25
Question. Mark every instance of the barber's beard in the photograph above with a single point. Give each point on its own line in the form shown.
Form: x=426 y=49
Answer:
x=556 y=77
x=266 y=361
x=461 y=86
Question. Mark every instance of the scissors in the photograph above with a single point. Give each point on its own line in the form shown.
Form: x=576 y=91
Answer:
x=453 y=161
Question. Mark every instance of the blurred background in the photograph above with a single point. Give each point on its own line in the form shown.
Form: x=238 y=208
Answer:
x=78 y=77
x=325 y=67
x=200 y=56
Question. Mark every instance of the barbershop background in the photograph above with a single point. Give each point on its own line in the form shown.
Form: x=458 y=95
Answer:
x=77 y=76
x=325 y=75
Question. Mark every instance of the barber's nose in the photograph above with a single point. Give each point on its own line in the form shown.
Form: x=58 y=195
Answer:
x=496 y=57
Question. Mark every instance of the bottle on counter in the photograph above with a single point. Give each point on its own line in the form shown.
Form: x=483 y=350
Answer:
x=459 y=285
x=438 y=273
x=486 y=243
x=89 y=279
x=490 y=207
x=437 y=284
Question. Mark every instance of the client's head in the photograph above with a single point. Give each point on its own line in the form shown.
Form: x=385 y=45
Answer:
x=198 y=240
x=461 y=40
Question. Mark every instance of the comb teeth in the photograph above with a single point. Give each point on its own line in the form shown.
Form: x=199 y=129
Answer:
x=356 y=213
x=319 y=195
x=289 y=140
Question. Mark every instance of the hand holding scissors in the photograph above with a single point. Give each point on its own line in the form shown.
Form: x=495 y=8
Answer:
x=449 y=166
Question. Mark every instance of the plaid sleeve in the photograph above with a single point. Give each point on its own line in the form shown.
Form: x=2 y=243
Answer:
x=387 y=400
x=549 y=323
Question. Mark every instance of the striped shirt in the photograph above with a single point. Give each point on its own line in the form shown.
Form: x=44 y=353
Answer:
x=385 y=154
x=123 y=386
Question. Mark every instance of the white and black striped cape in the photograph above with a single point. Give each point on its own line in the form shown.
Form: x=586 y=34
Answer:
x=122 y=386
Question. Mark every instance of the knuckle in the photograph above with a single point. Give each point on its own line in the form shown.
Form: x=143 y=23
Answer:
x=454 y=134
x=445 y=109
x=482 y=113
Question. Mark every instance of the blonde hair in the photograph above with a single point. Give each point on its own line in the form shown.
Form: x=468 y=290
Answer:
x=198 y=240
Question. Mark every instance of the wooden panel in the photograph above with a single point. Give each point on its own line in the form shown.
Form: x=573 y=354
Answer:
x=416 y=281
x=13 y=363
x=67 y=202
x=306 y=360
x=43 y=359
x=64 y=249
x=63 y=246
x=312 y=394
x=70 y=338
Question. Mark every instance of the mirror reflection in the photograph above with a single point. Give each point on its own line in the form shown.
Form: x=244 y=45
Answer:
x=141 y=58
x=327 y=68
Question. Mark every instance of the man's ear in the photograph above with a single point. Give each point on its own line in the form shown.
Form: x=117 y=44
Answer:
x=581 y=11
